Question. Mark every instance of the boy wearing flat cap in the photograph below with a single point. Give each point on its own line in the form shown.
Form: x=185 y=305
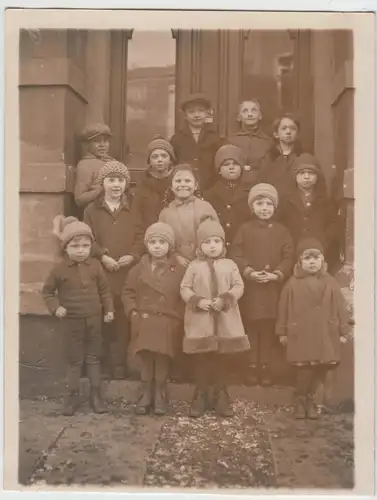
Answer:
x=96 y=139
x=197 y=142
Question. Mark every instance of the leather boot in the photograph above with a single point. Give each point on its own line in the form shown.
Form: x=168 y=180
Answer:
x=223 y=404
x=160 y=399
x=96 y=401
x=145 y=400
x=311 y=409
x=300 y=408
x=198 y=405
x=71 y=403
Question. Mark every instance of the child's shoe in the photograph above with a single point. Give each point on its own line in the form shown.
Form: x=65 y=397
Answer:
x=311 y=409
x=145 y=400
x=300 y=410
x=96 y=401
x=265 y=376
x=223 y=404
x=71 y=404
x=198 y=405
x=160 y=399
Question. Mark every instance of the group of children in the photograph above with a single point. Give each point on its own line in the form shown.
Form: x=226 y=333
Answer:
x=224 y=240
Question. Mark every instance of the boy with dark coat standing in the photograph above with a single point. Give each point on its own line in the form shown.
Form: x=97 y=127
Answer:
x=197 y=142
x=263 y=251
x=118 y=248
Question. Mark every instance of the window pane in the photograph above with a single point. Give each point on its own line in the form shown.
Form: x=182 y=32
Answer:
x=268 y=72
x=150 y=91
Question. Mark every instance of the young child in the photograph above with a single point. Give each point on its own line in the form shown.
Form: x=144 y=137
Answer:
x=185 y=212
x=211 y=288
x=263 y=251
x=150 y=193
x=152 y=302
x=197 y=142
x=277 y=166
x=312 y=322
x=76 y=291
x=117 y=245
x=307 y=211
x=96 y=139
x=254 y=143
x=229 y=195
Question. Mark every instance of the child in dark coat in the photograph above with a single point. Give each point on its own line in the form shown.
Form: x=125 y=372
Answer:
x=76 y=291
x=263 y=251
x=96 y=139
x=197 y=141
x=117 y=245
x=151 y=191
x=229 y=195
x=251 y=139
x=307 y=211
x=152 y=301
x=312 y=322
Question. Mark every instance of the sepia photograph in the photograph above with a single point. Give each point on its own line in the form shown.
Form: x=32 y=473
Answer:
x=184 y=204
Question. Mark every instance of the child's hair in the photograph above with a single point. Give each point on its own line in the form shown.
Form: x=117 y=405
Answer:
x=276 y=123
x=181 y=167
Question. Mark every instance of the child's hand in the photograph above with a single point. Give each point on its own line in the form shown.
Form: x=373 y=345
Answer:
x=343 y=339
x=61 y=312
x=184 y=262
x=266 y=277
x=125 y=260
x=283 y=340
x=253 y=276
x=205 y=304
x=109 y=263
x=109 y=317
x=218 y=304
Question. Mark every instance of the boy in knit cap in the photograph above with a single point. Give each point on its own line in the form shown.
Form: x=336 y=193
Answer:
x=229 y=195
x=312 y=322
x=117 y=245
x=76 y=291
x=254 y=143
x=211 y=288
x=96 y=140
x=152 y=301
x=197 y=142
x=263 y=251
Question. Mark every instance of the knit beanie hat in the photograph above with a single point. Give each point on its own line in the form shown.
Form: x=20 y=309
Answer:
x=114 y=167
x=229 y=152
x=66 y=228
x=263 y=191
x=208 y=228
x=306 y=162
x=160 y=230
x=92 y=130
x=159 y=142
x=308 y=244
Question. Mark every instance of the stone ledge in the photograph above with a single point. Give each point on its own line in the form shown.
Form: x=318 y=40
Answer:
x=44 y=177
x=31 y=300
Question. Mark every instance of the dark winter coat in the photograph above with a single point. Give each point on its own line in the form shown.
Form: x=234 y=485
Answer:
x=262 y=245
x=255 y=147
x=200 y=155
x=80 y=287
x=277 y=169
x=313 y=315
x=115 y=235
x=317 y=218
x=155 y=296
x=148 y=200
x=230 y=202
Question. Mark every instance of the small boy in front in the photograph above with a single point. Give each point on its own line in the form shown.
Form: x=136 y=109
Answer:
x=76 y=291
x=96 y=140
x=251 y=139
x=197 y=141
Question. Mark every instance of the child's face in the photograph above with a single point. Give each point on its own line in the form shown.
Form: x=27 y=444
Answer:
x=157 y=247
x=230 y=170
x=249 y=113
x=160 y=161
x=287 y=131
x=311 y=261
x=306 y=179
x=183 y=184
x=263 y=208
x=212 y=247
x=114 y=186
x=99 y=146
x=196 y=114
x=78 y=249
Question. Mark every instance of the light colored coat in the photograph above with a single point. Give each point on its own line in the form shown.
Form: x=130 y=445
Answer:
x=211 y=331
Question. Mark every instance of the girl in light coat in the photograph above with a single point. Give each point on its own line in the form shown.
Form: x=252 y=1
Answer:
x=211 y=288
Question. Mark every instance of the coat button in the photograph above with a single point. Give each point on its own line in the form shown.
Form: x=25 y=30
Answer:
x=145 y=315
x=114 y=221
x=269 y=226
x=228 y=224
x=267 y=267
x=162 y=299
x=229 y=207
